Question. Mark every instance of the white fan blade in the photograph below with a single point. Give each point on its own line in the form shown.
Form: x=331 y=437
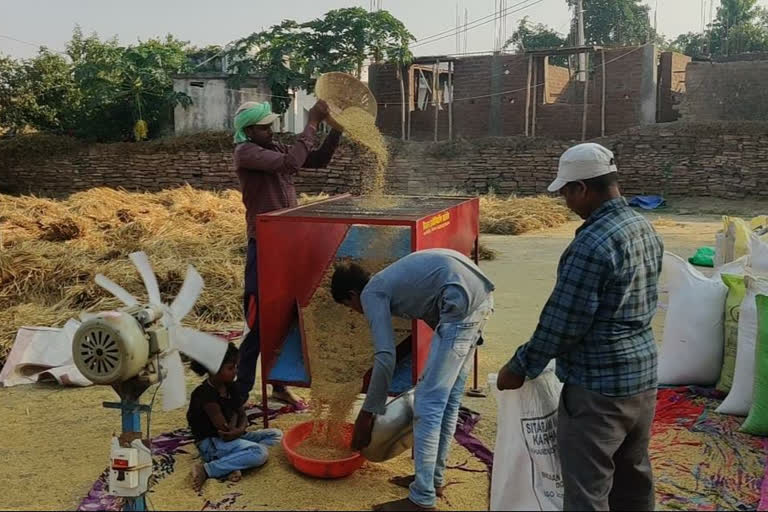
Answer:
x=70 y=328
x=206 y=349
x=141 y=262
x=116 y=290
x=174 y=385
x=190 y=291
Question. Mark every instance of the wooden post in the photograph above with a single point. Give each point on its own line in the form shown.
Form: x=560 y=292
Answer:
x=436 y=95
x=535 y=91
x=544 y=75
x=411 y=85
x=528 y=95
x=450 y=103
x=602 y=104
x=586 y=99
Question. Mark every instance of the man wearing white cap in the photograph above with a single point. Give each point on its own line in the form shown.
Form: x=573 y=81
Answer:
x=597 y=325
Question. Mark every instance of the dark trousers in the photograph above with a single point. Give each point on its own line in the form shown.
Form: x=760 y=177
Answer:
x=251 y=344
x=603 y=444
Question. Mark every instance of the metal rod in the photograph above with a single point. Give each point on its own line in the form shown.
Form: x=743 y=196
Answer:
x=582 y=76
x=602 y=105
x=528 y=94
x=535 y=96
x=264 y=398
x=476 y=255
x=450 y=103
x=584 y=115
x=436 y=95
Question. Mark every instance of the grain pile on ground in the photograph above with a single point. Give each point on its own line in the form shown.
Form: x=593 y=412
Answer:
x=517 y=215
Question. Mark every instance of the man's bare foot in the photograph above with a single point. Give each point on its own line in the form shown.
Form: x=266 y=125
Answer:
x=406 y=481
x=198 y=476
x=289 y=397
x=235 y=476
x=401 y=505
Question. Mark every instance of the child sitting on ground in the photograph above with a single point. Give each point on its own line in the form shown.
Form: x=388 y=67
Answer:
x=218 y=423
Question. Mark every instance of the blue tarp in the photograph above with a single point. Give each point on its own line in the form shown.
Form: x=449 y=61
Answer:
x=647 y=202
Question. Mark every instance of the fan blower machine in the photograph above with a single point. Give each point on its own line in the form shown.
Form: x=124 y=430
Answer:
x=132 y=349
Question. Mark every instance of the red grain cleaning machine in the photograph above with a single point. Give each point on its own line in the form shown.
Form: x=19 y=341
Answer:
x=297 y=246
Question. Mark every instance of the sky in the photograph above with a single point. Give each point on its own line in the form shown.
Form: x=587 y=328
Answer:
x=202 y=22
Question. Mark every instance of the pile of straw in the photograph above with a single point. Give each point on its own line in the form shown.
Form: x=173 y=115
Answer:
x=50 y=251
x=517 y=215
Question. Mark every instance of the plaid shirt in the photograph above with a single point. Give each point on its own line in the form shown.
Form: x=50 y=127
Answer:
x=597 y=322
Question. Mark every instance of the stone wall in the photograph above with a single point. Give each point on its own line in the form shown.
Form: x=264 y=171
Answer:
x=724 y=160
x=204 y=162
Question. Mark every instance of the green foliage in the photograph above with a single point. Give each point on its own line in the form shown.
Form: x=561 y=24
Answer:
x=276 y=54
x=123 y=85
x=539 y=36
x=291 y=55
x=36 y=93
x=100 y=92
x=616 y=22
x=741 y=26
x=207 y=59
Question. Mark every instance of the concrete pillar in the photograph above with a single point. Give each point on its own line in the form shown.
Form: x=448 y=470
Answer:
x=649 y=85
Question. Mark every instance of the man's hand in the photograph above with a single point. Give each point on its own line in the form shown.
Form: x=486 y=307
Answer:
x=363 y=428
x=318 y=113
x=509 y=380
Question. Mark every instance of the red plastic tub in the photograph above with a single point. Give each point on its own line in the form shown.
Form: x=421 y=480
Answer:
x=319 y=468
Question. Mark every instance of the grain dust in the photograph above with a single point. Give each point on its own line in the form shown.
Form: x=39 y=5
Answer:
x=340 y=350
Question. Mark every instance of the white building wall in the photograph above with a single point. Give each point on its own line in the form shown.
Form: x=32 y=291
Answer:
x=214 y=101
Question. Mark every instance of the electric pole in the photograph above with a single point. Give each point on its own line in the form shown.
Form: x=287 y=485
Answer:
x=582 y=74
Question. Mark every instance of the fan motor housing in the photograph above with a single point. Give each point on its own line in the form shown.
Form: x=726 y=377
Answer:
x=110 y=348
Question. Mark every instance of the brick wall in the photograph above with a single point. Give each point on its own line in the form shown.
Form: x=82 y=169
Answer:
x=671 y=84
x=558 y=80
x=497 y=86
x=725 y=160
x=726 y=91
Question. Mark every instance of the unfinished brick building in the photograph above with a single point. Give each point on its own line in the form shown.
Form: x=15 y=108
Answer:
x=526 y=94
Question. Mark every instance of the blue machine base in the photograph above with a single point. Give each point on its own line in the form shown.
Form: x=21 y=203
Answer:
x=290 y=365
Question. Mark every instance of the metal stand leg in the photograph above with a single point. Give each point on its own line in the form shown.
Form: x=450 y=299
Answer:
x=130 y=416
x=135 y=504
x=476 y=391
x=265 y=402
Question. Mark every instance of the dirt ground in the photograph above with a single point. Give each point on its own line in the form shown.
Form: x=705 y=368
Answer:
x=54 y=442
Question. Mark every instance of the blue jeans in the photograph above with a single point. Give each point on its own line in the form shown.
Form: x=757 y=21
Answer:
x=249 y=451
x=251 y=344
x=438 y=397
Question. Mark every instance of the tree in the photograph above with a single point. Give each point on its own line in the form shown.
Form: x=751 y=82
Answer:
x=539 y=36
x=691 y=44
x=740 y=27
x=127 y=92
x=278 y=55
x=207 y=59
x=616 y=22
x=38 y=93
x=292 y=55
x=16 y=101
